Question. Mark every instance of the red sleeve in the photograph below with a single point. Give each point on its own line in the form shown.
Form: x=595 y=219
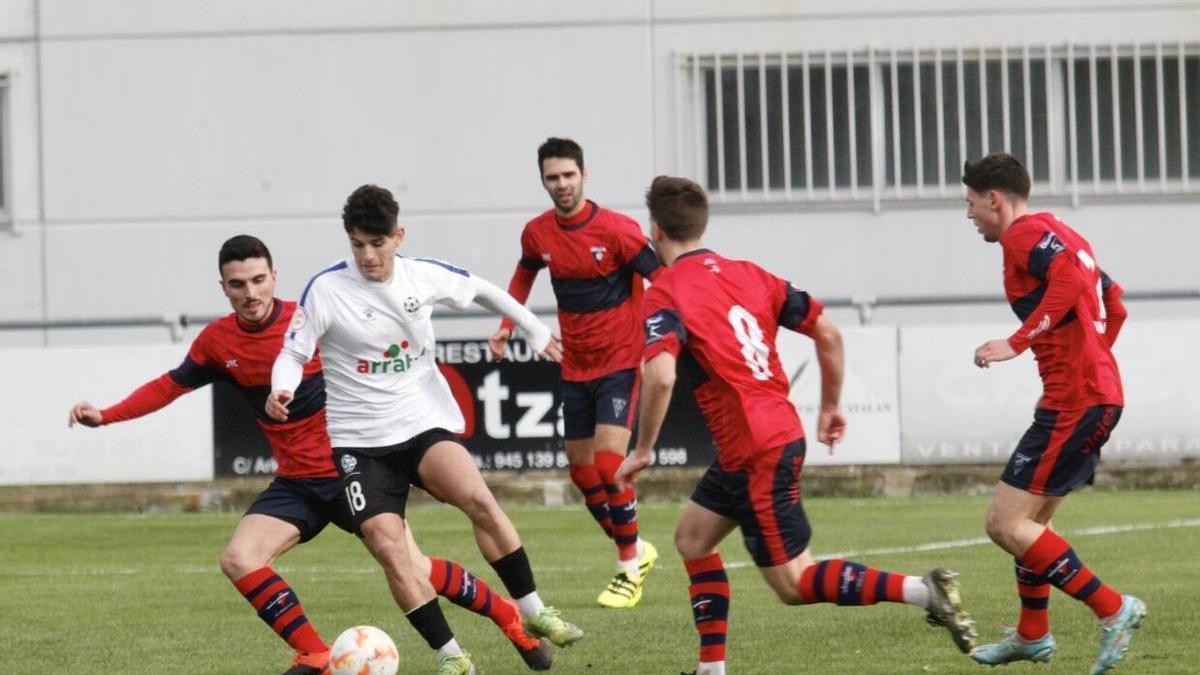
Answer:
x=152 y=396
x=1064 y=284
x=1115 y=312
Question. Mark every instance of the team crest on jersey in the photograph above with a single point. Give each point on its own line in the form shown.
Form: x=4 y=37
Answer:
x=598 y=252
x=348 y=463
x=299 y=318
x=411 y=304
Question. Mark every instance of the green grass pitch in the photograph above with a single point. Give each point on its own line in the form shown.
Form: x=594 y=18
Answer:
x=142 y=593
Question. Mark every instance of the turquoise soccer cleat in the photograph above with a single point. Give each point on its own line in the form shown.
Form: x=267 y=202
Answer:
x=1015 y=648
x=1117 y=633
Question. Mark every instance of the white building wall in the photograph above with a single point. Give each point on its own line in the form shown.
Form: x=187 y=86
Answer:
x=164 y=128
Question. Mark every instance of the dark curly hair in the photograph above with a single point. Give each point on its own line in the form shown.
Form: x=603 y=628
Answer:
x=998 y=171
x=243 y=247
x=559 y=147
x=371 y=210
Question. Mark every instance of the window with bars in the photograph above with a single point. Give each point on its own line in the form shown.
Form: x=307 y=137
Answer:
x=874 y=125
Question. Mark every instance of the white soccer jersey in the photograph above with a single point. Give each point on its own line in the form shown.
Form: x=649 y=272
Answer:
x=382 y=384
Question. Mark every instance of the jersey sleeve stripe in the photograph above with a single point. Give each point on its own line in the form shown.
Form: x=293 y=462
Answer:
x=444 y=265
x=333 y=268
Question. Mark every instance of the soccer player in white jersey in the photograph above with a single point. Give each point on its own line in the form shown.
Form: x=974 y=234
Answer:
x=391 y=414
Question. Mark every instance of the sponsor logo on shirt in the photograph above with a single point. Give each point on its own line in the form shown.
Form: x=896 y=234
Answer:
x=712 y=265
x=394 y=361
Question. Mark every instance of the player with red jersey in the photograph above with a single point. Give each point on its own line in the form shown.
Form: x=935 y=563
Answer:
x=306 y=493
x=597 y=259
x=717 y=320
x=1071 y=313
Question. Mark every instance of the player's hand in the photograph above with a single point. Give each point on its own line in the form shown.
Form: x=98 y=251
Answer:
x=497 y=342
x=631 y=466
x=86 y=414
x=277 y=404
x=993 y=351
x=831 y=427
x=553 y=350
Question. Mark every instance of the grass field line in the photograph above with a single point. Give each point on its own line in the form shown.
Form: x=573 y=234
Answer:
x=979 y=541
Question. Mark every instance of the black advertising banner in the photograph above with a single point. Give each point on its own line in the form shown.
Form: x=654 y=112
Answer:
x=512 y=409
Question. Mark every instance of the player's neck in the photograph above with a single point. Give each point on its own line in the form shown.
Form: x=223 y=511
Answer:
x=1020 y=209
x=669 y=251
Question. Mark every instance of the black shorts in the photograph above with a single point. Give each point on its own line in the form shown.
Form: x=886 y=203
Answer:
x=308 y=503
x=376 y=480
x=611 y=399
x=765 y=502
x=1061 y=450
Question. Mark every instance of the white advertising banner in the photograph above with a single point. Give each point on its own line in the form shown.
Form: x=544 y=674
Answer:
x=869 y=395
x=41 y=385
x=954 y=412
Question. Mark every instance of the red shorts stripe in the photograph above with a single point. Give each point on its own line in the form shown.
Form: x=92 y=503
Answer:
x=761 y=484
x=1063 y=428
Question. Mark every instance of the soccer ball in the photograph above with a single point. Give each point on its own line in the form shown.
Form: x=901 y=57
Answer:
x=363 y=650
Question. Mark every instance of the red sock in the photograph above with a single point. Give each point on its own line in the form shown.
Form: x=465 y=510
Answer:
x=1035 y=604
x=709 y=588
x=1053 y=559
x=845 y=582
x=464 y=589
x=587 y=479
x=278 y=606
x=622 y=505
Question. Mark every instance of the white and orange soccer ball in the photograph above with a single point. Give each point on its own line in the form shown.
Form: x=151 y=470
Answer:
x=363 y=650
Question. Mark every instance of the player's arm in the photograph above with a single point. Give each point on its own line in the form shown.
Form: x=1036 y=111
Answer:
x=151 y=396
x=665 y=337
x=1114 y=307
x=831 y=423
x=299 y=345
x=519 y=288
x=491 y=297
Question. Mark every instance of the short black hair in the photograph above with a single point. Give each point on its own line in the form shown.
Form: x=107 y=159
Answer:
x=998 y=171
x=559 y=147
x=242 y=247
x=679 y=206
x=372 y=210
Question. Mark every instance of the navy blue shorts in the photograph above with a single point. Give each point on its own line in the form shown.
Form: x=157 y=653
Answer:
x=377 y=480
x=308 y=503
x=611 y=399
x=764 y=500
x=1061 y=450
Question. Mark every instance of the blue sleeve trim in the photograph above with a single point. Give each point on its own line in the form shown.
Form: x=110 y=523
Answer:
x=333 y=268
x=193 y=375
x=1043 y=253
x=795 y=308
x=444 y=265
x=663 y=323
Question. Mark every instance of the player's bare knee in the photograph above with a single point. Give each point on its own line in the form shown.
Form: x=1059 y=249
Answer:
x=236 y=562
x=997 y=526
x=689 y=545
x=788 y=594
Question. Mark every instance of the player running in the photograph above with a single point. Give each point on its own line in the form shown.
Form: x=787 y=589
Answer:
x=391 y=415
x=306 y=494
x=717 y=319
x=597 y=260
x=1071 y=313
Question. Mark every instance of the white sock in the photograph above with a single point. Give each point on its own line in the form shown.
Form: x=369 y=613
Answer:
x=530 y=605
x=711 y=668
x=451 y=648
x=630 y=568
x=915 y=592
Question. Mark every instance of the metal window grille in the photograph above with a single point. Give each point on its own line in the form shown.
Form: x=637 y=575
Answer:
x=871 y=126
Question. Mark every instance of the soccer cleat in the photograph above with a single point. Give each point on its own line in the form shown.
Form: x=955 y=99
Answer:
x=456 y=665
x=316 y=663
x=536 y=653
x=646 y=558
x=622 y=592
x=945 y=608
x=1117 y=633
x=548 y=623
x=1015 y=648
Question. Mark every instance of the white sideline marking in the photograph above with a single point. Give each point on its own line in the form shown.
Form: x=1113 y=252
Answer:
x=979 y=541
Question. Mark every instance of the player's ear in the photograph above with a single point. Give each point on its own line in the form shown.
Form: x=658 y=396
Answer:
x=399 y=234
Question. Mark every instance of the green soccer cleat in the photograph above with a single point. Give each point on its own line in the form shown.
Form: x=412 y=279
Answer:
x=456 y=665
x=1117 y=633
x=945 y=608
x=548 y=623
x=1015 y=648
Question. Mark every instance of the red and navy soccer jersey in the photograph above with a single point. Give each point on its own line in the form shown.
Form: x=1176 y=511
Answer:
x=1063 y=299
x=719 y=317
x=597 y=262
x=243 y=355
